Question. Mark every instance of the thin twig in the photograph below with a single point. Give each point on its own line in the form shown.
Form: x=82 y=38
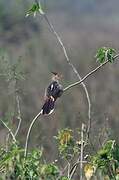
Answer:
x=80 y=158
x=68 y=170
x=7 y=141
x=10 y=131
x=82 y=149
x=19 y=114
x=29 y=132
x=89 y=74
x=77 y=163
x=72 y=66
x=18 y=111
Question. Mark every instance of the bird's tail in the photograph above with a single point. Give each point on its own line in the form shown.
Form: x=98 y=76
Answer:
x=48 y=106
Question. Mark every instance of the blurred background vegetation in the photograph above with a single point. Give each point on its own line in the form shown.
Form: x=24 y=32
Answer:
x=84 y=26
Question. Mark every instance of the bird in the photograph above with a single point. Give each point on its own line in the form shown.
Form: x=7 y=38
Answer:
x=52 y=92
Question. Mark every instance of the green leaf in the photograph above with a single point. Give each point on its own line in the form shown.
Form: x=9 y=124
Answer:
x=107 y=158
x=104 y=54
x=35 y=8
x=64 y=178
x=49 y=171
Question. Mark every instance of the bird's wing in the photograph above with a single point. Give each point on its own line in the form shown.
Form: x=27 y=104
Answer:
x=51 y=87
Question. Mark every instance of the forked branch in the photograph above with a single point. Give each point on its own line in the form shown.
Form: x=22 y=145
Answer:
x=9 y=130
x=72 y=66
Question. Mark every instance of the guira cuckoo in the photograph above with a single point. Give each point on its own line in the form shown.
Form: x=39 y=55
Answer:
x=52 y=92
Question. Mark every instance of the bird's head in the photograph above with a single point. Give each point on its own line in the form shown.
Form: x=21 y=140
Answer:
x=56 y=76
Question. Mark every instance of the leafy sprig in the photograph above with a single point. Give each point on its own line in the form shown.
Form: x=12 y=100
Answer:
x=105 y=54
x=35 y=8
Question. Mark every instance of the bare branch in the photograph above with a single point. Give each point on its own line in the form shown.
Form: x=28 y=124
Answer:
x=7 y=141
x=10 y=131
x=68 y=170
x=19 y=115
x=82 y=149
x=87 y=75
x=77 y=163
x=18 y=112
x=29 y=132
x=80 y=158
x=72 y=66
